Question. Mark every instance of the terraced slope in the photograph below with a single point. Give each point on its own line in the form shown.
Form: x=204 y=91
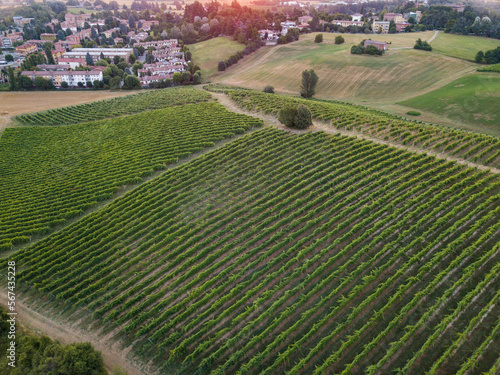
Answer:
x=478 y=148
x=103 y=109
x=50 y=174
x=284 y=253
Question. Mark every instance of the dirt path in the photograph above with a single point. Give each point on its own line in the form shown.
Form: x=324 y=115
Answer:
x=433 y=37
x=68 y=333
x=319 y=126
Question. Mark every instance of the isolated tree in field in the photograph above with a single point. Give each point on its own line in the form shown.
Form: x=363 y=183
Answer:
x=309 y=82
x=339 y=39
x=419 y=44
x=269 y=89
x=295 y=116
x=318 y=38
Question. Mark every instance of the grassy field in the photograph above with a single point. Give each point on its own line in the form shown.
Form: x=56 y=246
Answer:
x=461 y=46
x=473 y=99
x=208 y=54
x=284 y=253
x=401 y=73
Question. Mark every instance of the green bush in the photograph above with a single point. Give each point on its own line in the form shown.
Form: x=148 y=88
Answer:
x=339 y=39
x=318 y=38
x=295 y=116
x=413 y=113
x=269 y=89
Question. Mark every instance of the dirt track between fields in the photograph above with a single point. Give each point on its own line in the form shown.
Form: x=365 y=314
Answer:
x=270 y=120
x=67 y=333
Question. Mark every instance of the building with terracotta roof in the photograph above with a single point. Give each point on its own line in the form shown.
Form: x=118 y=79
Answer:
x=384 y=46
x=382 y=25
x=48 y=36
x=26 y=48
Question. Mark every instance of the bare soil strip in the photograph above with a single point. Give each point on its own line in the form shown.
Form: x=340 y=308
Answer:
x=66 y=333
x=270 y=120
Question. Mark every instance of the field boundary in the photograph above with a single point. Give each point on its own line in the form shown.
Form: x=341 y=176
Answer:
x=323 y=126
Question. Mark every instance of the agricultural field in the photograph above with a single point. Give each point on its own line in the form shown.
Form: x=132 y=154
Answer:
x=207 y=54
x=473 y=99
x=462 y=46
x=98 y=110
x=290 y=253
x=479 y=148
x=402 y=73
x=51 y=174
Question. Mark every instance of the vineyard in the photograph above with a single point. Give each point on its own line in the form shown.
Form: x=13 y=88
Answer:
x=50 y=174
x=282 y=253
x=479 y=148
x=114 y=107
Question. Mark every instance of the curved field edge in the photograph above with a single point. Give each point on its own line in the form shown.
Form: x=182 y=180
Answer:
x=52 y=174
x=472 y=99
x=207 y=54
x=476 y=147
x=289 y=253
x=402 y=73
x=102 y=109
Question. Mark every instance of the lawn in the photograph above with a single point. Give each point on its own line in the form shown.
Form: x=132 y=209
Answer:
x=207 y=54
x=472 y=99
x=461 y=46
x=397 y=75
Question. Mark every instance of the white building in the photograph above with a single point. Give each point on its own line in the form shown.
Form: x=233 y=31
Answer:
x=357 y=17
x=72 y=78
x=95 y=53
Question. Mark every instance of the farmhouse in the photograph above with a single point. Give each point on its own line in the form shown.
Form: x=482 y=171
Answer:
x=384 y=46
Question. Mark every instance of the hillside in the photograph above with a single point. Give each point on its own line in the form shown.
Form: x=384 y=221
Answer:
x=462 y=46
x=207 y=54
x=401 y=73
x=473 y=99
x=51 y=174
x=291 y=253
x=378 y=125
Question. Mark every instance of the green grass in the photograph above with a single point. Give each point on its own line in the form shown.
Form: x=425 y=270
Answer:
x=398 y=74
x=472 y=99
x=461 y=46
x=207 y=54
